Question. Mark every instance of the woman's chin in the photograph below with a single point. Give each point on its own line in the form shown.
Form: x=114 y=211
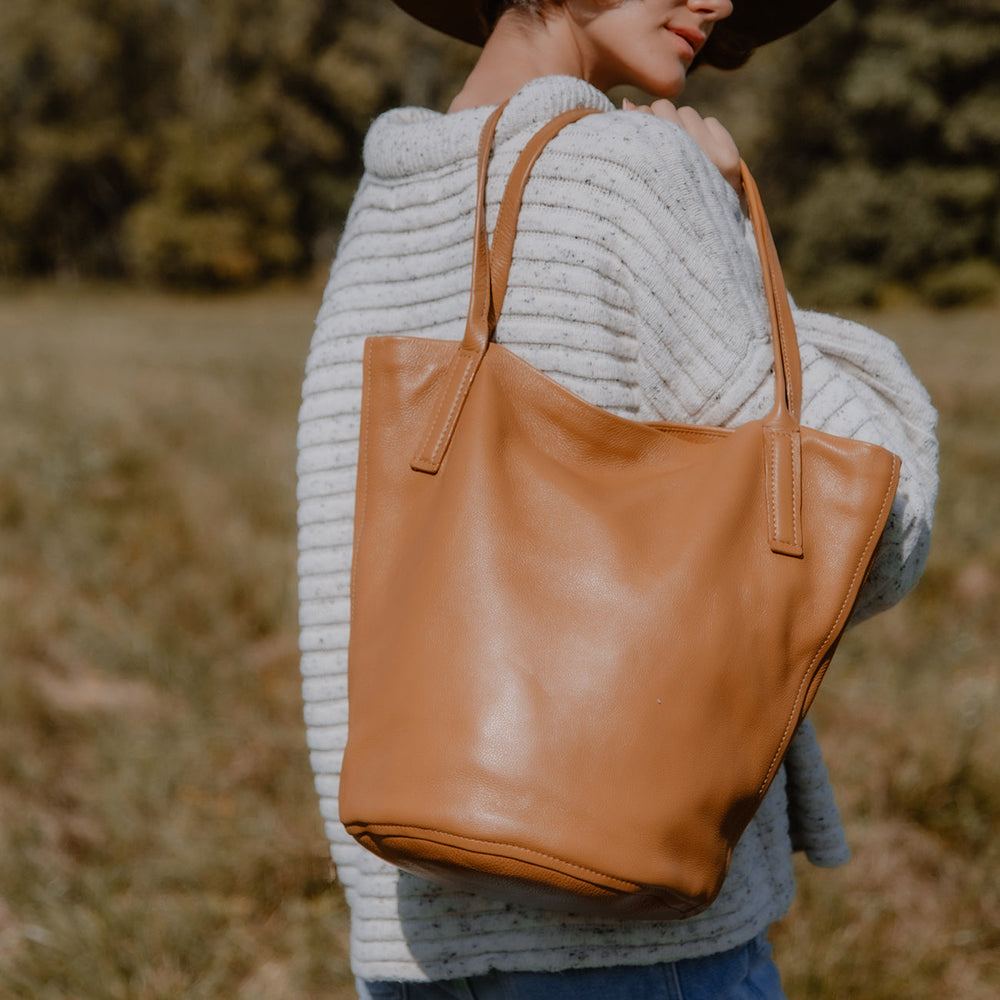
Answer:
x=668 y=84
x=668 y=91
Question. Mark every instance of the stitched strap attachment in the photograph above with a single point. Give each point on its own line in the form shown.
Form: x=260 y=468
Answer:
x=463 y=365
x=783 y=475
x=782 y=441
x=490 y=271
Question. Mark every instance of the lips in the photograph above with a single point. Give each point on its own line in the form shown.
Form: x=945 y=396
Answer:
x=694 y=38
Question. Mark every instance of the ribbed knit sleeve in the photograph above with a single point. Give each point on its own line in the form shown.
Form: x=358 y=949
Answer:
x=857 y=384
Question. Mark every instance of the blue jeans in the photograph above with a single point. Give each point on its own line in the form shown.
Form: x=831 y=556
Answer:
x=745 y=973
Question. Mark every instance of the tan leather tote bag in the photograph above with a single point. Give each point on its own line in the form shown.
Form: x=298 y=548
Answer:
x=581 y=644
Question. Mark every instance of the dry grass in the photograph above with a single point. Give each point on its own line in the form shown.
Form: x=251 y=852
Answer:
x=158 y=831
x=160 y=837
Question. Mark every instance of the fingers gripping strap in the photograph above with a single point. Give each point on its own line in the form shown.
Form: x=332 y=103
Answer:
x=484 y=305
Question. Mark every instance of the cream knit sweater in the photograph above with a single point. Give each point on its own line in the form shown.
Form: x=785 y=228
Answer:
x=635 y=285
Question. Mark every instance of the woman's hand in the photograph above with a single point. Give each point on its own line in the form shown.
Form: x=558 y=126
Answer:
x=709 y=133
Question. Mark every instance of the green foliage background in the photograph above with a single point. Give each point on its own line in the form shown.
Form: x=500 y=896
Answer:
x=218 y=142
x=197 y=142
x=894 y=131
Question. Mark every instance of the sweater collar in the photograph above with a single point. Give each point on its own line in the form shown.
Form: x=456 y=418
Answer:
x=416 y=140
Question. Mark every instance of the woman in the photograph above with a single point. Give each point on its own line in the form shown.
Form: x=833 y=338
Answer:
x=635 y=285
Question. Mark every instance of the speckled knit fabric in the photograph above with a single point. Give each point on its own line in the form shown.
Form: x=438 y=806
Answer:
x=635 y=285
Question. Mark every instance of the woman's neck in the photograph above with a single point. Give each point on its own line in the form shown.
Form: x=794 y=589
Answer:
x=517 y=52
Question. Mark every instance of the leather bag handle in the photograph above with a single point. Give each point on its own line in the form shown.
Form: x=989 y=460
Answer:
x=783 y=447
x=489 y=282
x=787 y=365
x=480 y=324
x=490 y=274
x=505 y=230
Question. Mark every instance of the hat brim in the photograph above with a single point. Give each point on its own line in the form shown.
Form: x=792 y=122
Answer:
x=460 y=20
x=752 y=23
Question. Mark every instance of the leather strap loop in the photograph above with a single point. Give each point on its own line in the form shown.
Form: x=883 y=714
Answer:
x=782 y=437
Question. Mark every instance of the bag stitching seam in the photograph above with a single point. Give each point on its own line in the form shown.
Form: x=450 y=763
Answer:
x=806 y=677
x=500 y=843
x=432 y=456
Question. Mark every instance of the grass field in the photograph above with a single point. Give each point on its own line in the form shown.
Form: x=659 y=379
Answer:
x=159 y=837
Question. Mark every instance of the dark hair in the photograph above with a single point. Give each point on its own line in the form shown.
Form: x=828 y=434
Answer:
x=490 y=10
x=726 y=49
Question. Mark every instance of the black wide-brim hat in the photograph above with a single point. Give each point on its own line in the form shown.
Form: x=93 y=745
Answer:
x=752 y=23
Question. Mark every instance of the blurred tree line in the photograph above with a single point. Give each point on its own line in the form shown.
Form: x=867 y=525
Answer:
x=193 y=142
x=893 y=112
x=218 y=142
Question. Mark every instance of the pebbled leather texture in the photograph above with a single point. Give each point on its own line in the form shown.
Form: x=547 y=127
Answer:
x=580 y=644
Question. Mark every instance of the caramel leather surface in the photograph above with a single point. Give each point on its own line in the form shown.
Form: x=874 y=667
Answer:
x=581 y=644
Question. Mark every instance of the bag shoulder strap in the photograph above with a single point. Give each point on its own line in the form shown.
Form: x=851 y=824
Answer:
x=782 y=437
x=506 y=227
x=490 y=273
x=787 y=365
